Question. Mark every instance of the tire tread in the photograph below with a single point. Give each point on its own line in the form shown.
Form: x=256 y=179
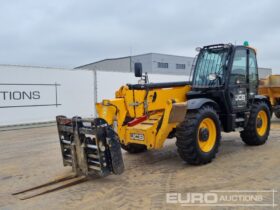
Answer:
x=187 y=136
x=249 y=135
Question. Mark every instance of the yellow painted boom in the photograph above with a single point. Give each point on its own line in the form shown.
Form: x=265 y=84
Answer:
x=145 y=116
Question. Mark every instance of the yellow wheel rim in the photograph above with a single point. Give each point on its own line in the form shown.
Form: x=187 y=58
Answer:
x=207 y=143
x=262 y=123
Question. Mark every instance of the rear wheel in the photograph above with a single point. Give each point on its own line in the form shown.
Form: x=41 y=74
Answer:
x=258 y=127
x=134 y=148
x=198 y=136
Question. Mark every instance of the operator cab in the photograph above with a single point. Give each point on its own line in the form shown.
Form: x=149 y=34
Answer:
x=228 y=75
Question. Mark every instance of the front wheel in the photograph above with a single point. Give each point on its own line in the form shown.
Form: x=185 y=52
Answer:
x=257 y=130
x=198 y=136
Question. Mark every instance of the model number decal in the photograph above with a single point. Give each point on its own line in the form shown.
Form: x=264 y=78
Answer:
x=137 y=136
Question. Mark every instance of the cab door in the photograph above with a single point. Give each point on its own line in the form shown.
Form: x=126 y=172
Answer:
x=239 y=81
x=253 y=75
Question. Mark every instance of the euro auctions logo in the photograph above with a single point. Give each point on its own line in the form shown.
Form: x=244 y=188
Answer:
x=192 y=198
x=226 y=198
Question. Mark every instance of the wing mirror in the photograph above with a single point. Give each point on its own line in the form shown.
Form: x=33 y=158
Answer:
x=212 y=77
x=138 y=73
x=138 y=69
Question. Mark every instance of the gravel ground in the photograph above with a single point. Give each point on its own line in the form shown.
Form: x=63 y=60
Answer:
x=29 y=157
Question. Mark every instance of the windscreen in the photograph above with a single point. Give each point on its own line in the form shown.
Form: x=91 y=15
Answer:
x=209 y=68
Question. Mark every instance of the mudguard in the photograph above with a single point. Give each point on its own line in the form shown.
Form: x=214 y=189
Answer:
x=197 y=103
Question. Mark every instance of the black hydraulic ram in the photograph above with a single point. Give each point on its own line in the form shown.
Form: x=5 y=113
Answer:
x=91 y=146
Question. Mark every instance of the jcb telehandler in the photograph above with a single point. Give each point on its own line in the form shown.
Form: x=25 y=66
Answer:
x=221 y=97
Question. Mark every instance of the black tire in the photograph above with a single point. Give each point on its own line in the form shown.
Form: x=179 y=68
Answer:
x=250 y=135
x=134 y=148
x=277 y=114
x=187 y=134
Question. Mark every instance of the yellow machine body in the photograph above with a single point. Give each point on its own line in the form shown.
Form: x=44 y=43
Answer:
x=270 y=87
x=158 y=111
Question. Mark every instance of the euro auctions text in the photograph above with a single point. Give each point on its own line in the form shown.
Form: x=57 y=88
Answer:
x=249 y=198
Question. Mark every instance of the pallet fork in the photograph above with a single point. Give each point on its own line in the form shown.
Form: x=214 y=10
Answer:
x=89 y=146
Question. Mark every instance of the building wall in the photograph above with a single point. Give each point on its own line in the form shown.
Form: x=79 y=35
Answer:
x=150 y=63
x=145 y=59
x=264 y=72
x=172 y=61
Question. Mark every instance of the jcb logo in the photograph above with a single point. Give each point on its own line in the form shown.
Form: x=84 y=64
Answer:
x=240 y=97
x=137 y=136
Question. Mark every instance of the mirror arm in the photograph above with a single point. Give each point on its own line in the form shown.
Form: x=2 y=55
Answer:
x=146 y=77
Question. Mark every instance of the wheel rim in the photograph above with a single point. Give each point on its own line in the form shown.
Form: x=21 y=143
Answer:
x=262 y=123
x=207 y=134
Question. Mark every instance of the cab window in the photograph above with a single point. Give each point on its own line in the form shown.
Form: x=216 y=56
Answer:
x=238 y=71
x=252 y=67
x=253 y=71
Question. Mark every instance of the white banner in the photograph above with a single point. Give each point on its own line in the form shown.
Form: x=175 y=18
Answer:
x=28 y=95
x=34 y=94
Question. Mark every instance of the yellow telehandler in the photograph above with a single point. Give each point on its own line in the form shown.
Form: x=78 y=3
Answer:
x=222 y=96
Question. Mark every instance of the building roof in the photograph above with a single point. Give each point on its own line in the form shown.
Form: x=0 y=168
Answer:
x=109 y=59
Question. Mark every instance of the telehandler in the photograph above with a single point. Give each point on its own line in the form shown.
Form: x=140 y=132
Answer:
x=222 y=96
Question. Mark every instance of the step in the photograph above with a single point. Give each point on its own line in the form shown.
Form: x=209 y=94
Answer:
x=91 y=146
x=239 y=120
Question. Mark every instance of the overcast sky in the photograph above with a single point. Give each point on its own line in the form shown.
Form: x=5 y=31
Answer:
x=65 y=33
